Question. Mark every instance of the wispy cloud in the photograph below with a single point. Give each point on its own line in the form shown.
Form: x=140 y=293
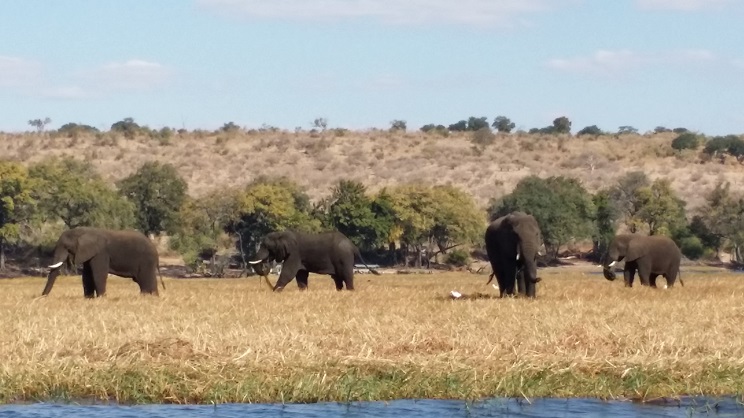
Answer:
x=476 y=12
x=17 y=72
x=622 y=62
x=683 y=5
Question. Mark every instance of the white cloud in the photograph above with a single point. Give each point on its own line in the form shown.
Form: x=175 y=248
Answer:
x=477 y=12
x=682 y=5
x=618 y=63
x=18 y=73
x=130 y=75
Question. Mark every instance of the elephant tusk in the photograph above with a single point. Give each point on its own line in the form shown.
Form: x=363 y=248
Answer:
x=255 y=261
x=54 y=266
x=517 y=256
x=612 y=264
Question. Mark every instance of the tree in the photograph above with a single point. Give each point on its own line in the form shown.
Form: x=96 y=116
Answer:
x=476 y=124
x=73 y=130
x=73 y=192
x=561 y=125
x=398 y=125
x=723 y=217
x=590 y=130
x=625 y=130
x=460 y=126
x=127 y=127
x=321 y=123
x=202 y=227
x=230 y=127
x=268 y=205
x=40 y=124
x=16 y=203
x=687 y=140
x=158 y=193
x=503 y=124
x=351 y=212
x=562 y=207
x=607 y=215
x=660 y=208
x=626 y=198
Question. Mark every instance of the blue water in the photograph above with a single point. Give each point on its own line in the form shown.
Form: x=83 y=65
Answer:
x=689 y=407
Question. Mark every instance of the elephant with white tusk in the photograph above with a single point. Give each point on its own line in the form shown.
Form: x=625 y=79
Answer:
x=127 y=254
x=512 y=244
x=650 y=256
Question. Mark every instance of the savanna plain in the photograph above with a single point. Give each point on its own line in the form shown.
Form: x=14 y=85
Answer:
x=396 y=336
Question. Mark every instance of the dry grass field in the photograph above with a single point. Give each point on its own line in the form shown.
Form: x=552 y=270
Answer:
x=397 y=336
x=378 y=158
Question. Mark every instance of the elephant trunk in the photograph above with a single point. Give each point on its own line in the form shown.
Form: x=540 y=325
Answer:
x=60 y=255
x=528 y=252
x=607 y=265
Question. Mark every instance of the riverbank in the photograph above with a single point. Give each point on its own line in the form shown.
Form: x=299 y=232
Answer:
x=397 y=336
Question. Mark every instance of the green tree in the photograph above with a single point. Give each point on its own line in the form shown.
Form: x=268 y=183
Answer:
x=475 y=124
x=625 y=130
x=40 y=124
x=590 y=130
x=127 y=127
x=562 y=207
x=202 y=227
x=73 y=130
x=626 y=199
x=351 y=211
x=73 y=192
x=460 y=126
x=687 y=140
x=503 y=124
x=561 y=125
x=660 y=208
x=398 y=125
x=268 y=205
x=16 y=203
x=606 y=219
x=723 y=216
x=158 y=193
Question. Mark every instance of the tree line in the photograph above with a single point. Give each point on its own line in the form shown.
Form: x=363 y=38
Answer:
x=404 y=224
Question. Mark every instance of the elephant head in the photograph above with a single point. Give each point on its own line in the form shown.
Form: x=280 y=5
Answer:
x=75 y=246
x=276 y=246
x=622 y=248
x=529 y=242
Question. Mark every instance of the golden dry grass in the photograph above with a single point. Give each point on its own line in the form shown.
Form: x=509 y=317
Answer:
x=210 y=161
x=397 y=336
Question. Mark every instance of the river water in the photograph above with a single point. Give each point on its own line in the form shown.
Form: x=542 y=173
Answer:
x=547 y=407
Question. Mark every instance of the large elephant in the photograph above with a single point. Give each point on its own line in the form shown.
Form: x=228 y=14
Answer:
x=301 y=253
x=651 y=256
x=512 y=245
x=125 y=253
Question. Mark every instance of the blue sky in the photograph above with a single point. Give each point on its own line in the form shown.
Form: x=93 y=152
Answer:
x=363 y=63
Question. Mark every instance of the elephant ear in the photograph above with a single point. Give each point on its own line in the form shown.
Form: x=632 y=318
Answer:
x=283 y=245
x=88 y=245
x=636 y=249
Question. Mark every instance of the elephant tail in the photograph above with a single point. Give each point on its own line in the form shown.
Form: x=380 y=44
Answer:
x=679 y=274
x=359 y=254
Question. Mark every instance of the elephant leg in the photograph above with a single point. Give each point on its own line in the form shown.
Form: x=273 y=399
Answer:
x=520 y=282
x=671 y=276
x=285 y=277
x=644 y=273
x=148 y=281
x=89 y=288
x=507 y=280
x=652 y=279
x=629 y=275
x=99 y=267
x=339 y=282
x=302 y=276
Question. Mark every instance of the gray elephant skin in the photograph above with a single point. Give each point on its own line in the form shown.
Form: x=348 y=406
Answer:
x=651 y=256
x=512 y=243
x=330 y=253
x=125 y=253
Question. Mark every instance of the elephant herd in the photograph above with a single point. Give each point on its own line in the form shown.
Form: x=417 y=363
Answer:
x=512 y=244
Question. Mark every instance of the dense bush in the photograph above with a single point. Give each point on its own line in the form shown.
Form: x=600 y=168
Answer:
x=686 y=140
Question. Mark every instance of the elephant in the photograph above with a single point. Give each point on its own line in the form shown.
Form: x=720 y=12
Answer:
x=512 y=245
x=124 y=253
x=301 y=253
x=651 y=256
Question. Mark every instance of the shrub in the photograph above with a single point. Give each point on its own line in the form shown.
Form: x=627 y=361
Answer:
x=458 y=258
x=692 y=247
x=483 y=137
x=590 y=130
